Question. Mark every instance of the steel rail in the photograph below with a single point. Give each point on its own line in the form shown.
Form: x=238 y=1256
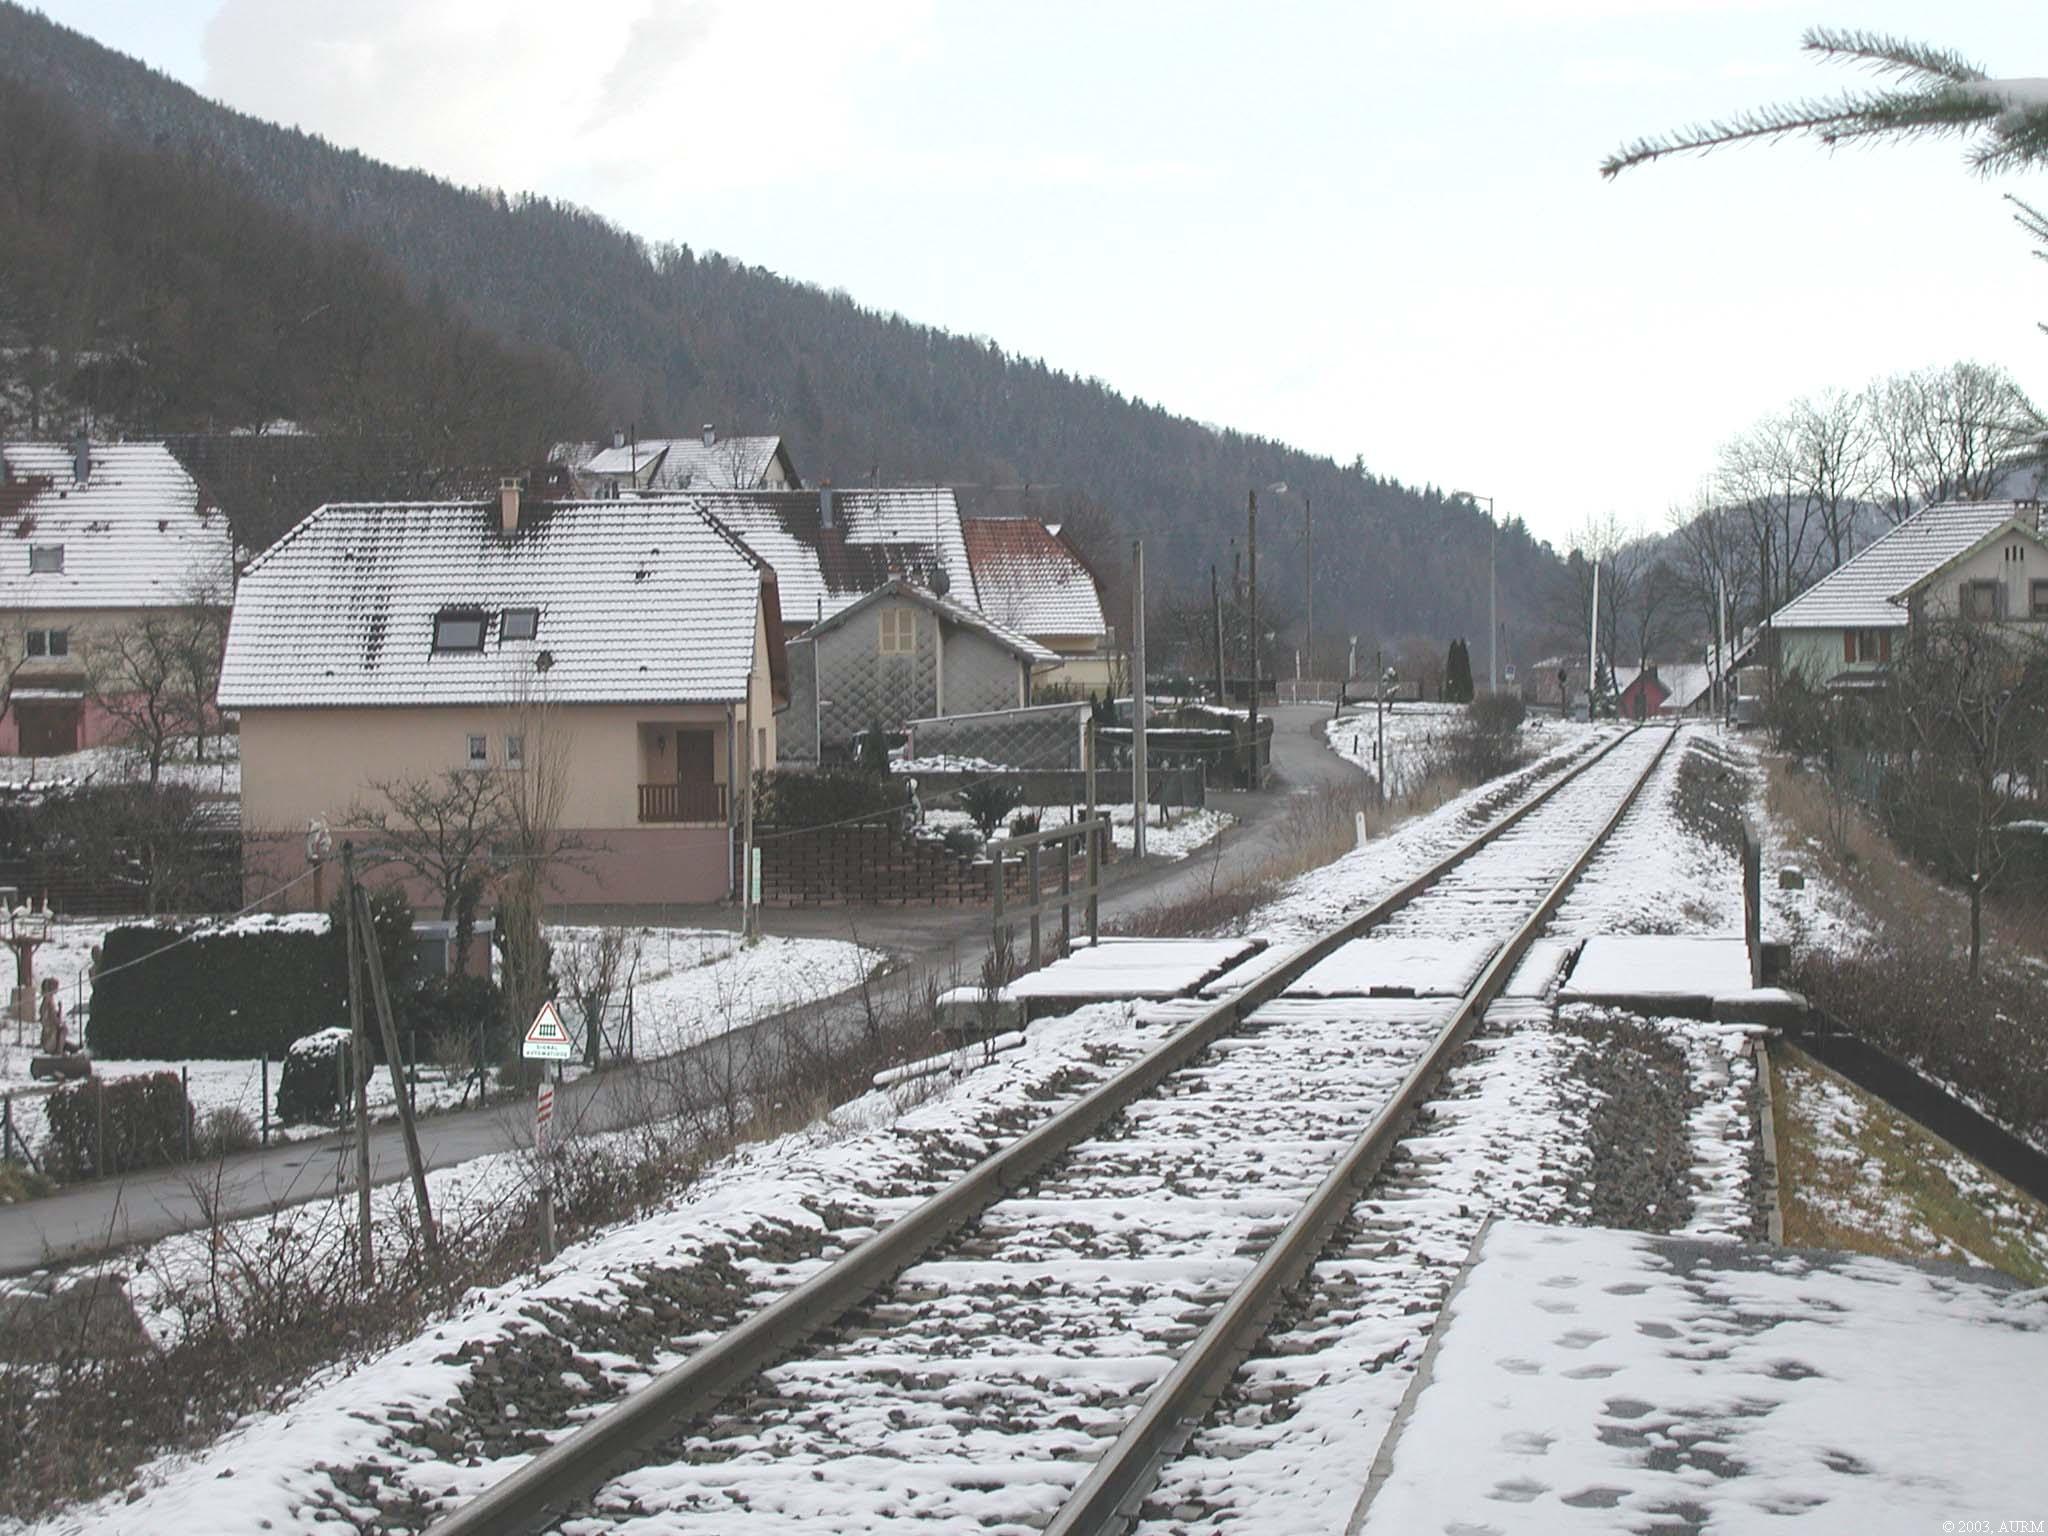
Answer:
x=579 y=1463
x=1109 y=1499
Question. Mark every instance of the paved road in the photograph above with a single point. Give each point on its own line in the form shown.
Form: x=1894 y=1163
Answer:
x=94 y=1218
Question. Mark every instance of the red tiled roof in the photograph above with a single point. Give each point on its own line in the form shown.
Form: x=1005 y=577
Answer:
x=1030 y=579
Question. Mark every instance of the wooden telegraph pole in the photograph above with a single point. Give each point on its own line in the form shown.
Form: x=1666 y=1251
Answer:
x=1216 y=610
x=373 y=962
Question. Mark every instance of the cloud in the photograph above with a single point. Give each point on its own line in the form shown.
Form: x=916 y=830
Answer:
x=625 y=94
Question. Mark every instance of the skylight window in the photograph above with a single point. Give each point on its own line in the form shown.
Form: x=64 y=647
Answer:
x=518 y=624
x=459 y=630
x=46 y=559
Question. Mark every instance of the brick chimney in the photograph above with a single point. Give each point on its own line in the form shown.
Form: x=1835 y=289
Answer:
x=508 y=504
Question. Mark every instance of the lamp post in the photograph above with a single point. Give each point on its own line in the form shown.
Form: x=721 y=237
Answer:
x=1492 y=594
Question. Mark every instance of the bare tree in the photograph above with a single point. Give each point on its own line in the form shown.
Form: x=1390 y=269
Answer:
x=534 y=847
x=444 y=830
x=199 y=636
x=1831 y=452
x=1969 y=705
x=133 y=672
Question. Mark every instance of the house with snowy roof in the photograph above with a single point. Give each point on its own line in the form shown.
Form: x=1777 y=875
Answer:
x=1030 y=579
x=632 y=647
x=633 y=466
x=902 y=653
x=99 y=539
x=1985 y=561
x=831 y=547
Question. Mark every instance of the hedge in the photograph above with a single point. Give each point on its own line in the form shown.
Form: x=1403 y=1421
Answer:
x=316 y=1068
x=146 y=1124
x=247 y=990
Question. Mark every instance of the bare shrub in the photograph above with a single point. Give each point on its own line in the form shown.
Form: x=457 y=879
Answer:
x=224 y=1130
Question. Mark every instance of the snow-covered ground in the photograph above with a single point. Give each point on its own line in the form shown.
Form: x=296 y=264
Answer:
x=990 y=1429
x=1411 y=730
x=1169 y=834
x=1613 y=1382
x=220 y=774
x=688 y=985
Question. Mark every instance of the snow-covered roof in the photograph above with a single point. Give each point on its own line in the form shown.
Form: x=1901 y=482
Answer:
x=135 y=533
x=1863 y=591
x=875 y=533
x=687 y=463
x=1683 y=682
x=958 y=613
x=638 y=601
x=1029 y=578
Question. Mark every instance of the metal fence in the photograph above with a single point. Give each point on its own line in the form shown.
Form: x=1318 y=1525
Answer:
x=1038 y=737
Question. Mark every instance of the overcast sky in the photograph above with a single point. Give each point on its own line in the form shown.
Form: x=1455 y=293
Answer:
x=1364 y=229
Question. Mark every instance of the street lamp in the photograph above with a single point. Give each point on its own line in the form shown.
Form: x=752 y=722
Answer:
x=1492 y=602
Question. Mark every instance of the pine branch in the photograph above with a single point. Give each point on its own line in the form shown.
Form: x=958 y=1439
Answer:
x=1893 y=56
x=1829 y=120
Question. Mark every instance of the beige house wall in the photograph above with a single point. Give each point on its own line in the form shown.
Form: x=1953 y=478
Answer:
x=87 y=627
x=2013 y=577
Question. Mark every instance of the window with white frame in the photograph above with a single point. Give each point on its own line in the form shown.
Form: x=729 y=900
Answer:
x=47 y=643
x=479 y=751
x=46 y=559
x=515 y=751
x=899 y=631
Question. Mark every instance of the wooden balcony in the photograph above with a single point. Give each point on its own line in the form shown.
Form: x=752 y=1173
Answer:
x=683 y=800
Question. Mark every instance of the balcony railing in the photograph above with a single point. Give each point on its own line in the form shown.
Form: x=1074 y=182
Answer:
x=682 y=800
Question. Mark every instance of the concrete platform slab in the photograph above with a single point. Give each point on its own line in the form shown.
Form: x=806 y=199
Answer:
x=1590 y=1380
x=1542 y=964
x=1658 y=972
x=1393 y=965
x=1113 y=968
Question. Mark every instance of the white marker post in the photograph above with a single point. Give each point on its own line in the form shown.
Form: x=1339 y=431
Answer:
x=547 y=1039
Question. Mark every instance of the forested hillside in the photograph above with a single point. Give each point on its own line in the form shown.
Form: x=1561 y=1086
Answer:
x=668 y=338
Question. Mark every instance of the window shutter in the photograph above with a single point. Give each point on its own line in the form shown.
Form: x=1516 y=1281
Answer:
x=1848 y=645
x=1884 y=645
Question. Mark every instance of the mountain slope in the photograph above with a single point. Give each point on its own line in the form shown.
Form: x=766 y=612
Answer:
x=670 y=338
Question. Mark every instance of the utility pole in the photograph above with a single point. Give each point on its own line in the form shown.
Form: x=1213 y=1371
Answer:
x=1492 y=608
x=1216 y=607
x=1593 y=645
x=359 y=1054
x=1379 y=751
x=1308 y=581
x=1141 y=787
x=1252 y=565
x=380 y=994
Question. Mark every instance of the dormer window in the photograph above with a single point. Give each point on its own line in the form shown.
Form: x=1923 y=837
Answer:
x=518 y=624
x=459 y=629
x=46 y=559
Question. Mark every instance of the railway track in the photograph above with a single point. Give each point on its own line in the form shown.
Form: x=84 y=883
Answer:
x=1028 y=1347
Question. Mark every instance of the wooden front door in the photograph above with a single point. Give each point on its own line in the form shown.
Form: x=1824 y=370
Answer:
x=693 y=757
x=48 y=729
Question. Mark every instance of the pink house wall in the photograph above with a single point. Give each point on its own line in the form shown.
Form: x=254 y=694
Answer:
x=625 y=866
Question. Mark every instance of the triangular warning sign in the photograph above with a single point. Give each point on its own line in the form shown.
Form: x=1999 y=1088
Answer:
x=547 y=1038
